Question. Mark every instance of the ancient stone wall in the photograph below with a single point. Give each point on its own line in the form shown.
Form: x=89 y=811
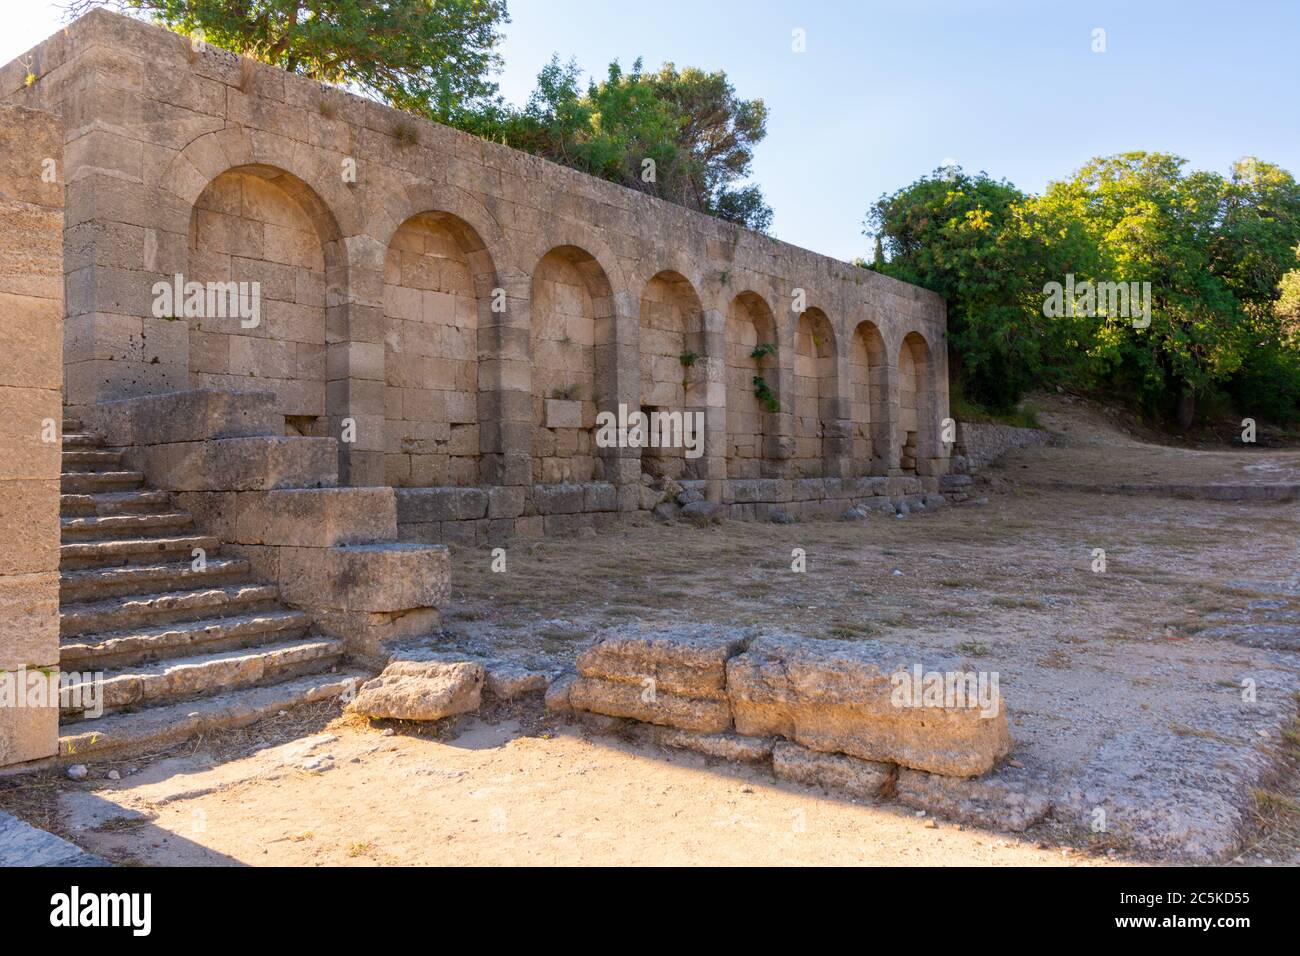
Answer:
x=31 y=376
x=454 y=312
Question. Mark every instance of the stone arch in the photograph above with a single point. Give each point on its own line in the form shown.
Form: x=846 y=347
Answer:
x=815 y=392
x=260 y=224
x=438 y=282
x=571 y=341
x=751 y=420
x=673 y=360
x=917 y=425
x=869 y=400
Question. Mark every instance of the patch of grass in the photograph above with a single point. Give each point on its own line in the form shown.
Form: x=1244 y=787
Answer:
x=973 y=649
x=1018 y=602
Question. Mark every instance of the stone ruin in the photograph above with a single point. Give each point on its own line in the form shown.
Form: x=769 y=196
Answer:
x=269 y=347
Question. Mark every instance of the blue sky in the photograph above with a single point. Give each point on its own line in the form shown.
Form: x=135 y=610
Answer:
x=888 y=91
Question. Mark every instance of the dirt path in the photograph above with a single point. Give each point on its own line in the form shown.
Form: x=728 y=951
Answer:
x=493 y=796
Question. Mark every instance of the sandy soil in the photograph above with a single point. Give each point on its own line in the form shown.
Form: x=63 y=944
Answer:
x=496 y=795
x=1124 y=689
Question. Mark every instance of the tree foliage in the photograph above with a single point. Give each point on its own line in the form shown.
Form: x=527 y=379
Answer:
x=1214 y=249
x=431 y=58
x=681 y=135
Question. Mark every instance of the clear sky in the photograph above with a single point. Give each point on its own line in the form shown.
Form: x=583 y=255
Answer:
x=887 y=91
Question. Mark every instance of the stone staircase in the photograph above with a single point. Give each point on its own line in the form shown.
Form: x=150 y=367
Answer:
x=185 y=639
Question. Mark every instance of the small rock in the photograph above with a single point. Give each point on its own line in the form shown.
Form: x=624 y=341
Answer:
x=387 y=732
x=114 y=775
x=666 y=511
x=856 y=513
x=78 y=771
x=781 y=517
x=688 y=496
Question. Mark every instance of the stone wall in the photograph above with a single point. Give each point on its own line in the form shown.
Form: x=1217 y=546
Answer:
x=980 y=443
x=454 y=312
x=31 y=376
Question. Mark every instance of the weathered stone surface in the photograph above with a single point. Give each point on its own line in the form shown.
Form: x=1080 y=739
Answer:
x=685 y=659
x=372 y=577
x=506 y=681
x=421 y=690
x=29 y=620
x=860 y=778
x=653 y=706
x=28 y=733
x=188 y=416
x=724 y=746
x=835 y=696
x=422 y=505
x=556 y=699
x=316 y=517
x=243 y=464
x=1008 y=799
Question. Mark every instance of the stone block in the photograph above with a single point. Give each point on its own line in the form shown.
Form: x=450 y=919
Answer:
x=506 y=502
x=559 y=499
x=837 y=772
x=369 y=577
x=188 y=416
x=645 y=703
x=687 y=659
x=421 y=690
x=424 y=505
x=29 y=620
x=316 y=517
x=562 y=413
x=29 y=524
x=243 y=464
x=839 y=697
x=28 y=733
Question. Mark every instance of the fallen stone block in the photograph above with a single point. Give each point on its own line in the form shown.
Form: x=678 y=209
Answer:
x=421 y=690
x=1008 y=799
x=506 y=681
x=686 y=659
x=859 y=778
x=724 y=746
x=617 y=699
x=839 y=697
x=556 y=699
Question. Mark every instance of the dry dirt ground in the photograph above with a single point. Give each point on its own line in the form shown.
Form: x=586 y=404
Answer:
x=1161 y=690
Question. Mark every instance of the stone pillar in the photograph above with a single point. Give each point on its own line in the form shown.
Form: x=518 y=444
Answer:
x=885 y=460
x=618 y=381
x=706 y=391
x=505 y=390
x=354 y=359
x=31 y=376
x=836 y=413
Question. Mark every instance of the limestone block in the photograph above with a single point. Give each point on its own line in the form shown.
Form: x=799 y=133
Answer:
x=687 y=659
x=29 y=525
x=838 y=697
x=421 y=690
x=24 y=414
x=724 y=746
x=316 y=517
x=645 y=703
x=30 y=329
x=28 y=733
x=859 y=778
x=1010 y=798
x=243 y=464
x=369 y=577
x=189 y=416
x=424 y=505
x=29 y=620
x=562 y=413
x=559 y=499
x=505 y=502
x=600 y=496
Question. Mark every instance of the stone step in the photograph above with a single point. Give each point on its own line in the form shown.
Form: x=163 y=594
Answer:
x=90 y=554
x=91 y=482
x=153 y=728
x=91 y=459
x=207 y=635
x=203 y=675
x=73 y=425
x=124 y=526
x=119 y=613
x=91 y=584
x=81 y=440
x=115 y=503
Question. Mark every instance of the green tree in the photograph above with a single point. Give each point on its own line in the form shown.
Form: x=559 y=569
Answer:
x=983 y=245
x=431 y=58
x=683 y=136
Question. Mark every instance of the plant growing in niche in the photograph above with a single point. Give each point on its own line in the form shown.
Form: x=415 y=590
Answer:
x=761 y=390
